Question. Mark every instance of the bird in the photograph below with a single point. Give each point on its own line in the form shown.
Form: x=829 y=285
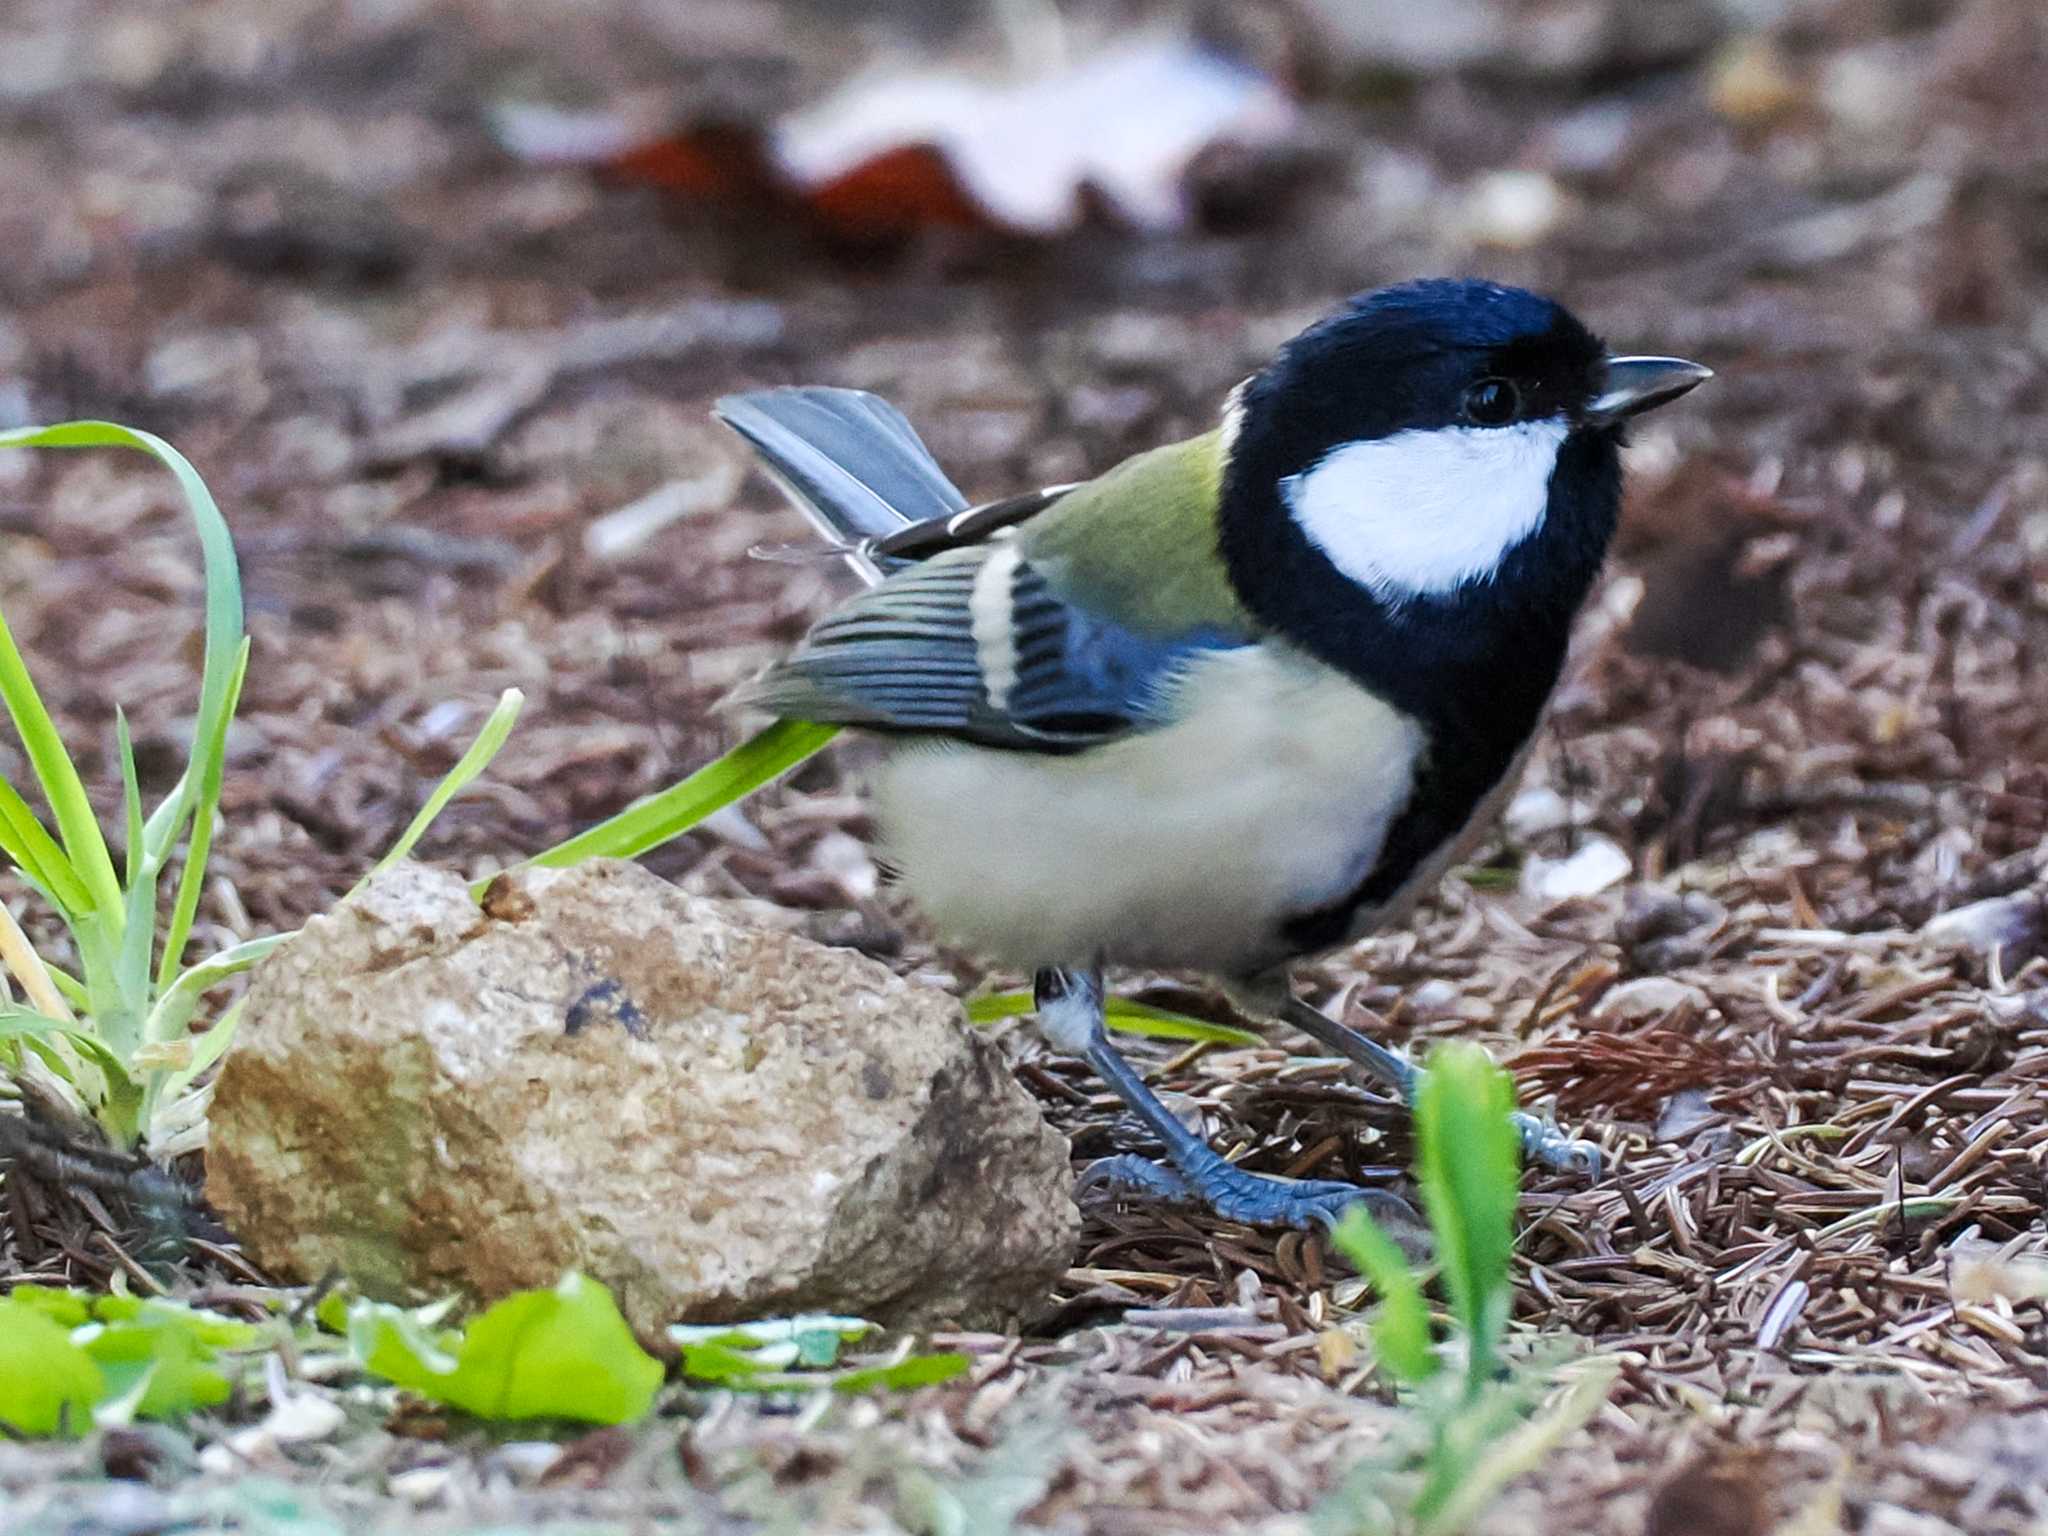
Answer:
x=1236 y=701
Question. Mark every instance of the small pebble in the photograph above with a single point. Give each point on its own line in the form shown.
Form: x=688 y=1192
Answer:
x=1513 y=210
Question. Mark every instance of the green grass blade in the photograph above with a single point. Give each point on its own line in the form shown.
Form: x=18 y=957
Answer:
x=139 y=912
x=120 y=1110
x=473 y=762
x=1470 y=1159
x=1400 y=1329
x=165 y=1032
x=210 y=755
x=206 y=1050
x=131 y=793
x=17 y=1022
x=660 y=817
x=218 y=672
x=36 y=854
x=1528 y=1446
x=84 y=847
x=176 y=1004
x=1124 y=1015
x=107 y=1081
x=161 y=830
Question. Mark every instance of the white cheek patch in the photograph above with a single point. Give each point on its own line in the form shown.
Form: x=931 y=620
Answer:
x=1422 y=513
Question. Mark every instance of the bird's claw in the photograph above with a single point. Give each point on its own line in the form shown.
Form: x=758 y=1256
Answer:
x=1544 y=1143
x=1256 y=1199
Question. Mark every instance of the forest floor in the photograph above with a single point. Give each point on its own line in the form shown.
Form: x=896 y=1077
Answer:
x=1807 y=704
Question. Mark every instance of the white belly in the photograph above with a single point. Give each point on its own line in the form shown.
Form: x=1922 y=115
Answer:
x=1181 y=847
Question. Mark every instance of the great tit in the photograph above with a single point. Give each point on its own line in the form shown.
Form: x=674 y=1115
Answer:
x=1238 y=700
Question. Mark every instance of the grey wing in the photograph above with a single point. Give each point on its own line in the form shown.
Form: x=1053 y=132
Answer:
x=848 y=460
x=853 y=465
x=976 y=644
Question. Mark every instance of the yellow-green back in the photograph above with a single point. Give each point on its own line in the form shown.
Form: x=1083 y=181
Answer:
x=1140 y=541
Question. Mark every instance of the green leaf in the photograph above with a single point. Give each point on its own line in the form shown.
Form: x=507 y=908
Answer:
x=331 y=1312
x=1123 y=1015
x=1513 y=1448
x=563 y=1353
x=210 y=1330
x=1400 y=1328
x=66 y=1306
x=473 y=762
x=655 y=820
x=47 y=1383
x=158 y=1356
x=1470 y=1171
x=166 y=1026
x=758 y=1356
x=905 y=1375
x=719 y=1363
x=729 y=1352
x=154 y=1372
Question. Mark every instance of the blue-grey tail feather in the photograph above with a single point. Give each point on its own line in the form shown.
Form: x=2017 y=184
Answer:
x=848 y=459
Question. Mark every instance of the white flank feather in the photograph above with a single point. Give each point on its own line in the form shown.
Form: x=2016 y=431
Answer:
x=1179 y=847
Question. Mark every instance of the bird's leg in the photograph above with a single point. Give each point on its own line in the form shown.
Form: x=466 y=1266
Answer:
x=1541 y=1142
x=1070 y=1015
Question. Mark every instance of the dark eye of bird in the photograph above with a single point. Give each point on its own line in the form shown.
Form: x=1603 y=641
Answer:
x=1492 y=402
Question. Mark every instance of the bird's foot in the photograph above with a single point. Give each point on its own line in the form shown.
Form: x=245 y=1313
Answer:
x=1545 y=1143
x=1256 y=1199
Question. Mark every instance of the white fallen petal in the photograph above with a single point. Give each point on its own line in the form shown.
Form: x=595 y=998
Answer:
x=1598 y=864
x=1127 y=121
x=295 y=1418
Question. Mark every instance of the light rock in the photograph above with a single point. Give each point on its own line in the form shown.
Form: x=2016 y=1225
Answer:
x=1651 y=997
x=2009 y=923
x=716 y=1118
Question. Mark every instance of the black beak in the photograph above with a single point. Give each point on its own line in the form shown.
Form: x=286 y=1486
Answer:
x=1639 y=384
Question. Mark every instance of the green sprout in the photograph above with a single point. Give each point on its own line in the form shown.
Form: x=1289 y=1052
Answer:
x=1476 y=1422
x=110 y=1037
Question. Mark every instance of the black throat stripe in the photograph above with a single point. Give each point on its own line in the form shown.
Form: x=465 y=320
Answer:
x=1474 y=667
